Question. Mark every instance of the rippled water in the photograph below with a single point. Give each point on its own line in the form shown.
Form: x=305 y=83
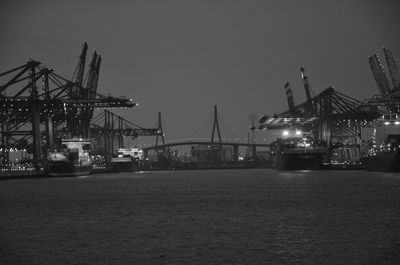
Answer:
x=203 y=217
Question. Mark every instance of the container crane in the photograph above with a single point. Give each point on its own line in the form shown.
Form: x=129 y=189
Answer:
x=88 y=93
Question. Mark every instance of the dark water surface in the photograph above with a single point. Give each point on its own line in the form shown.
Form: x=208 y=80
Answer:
x=203 y=217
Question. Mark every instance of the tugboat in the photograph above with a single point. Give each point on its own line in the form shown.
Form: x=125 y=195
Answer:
x=384 y=154
x=73 y=159
x=126 y=160
x=296 y=150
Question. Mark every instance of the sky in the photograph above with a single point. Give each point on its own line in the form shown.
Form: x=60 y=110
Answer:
x=181 y=58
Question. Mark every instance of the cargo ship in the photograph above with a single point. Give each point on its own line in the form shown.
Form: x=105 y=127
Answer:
x=126 y=160
x=384 y=153
x=296 y=150
x=72 y=160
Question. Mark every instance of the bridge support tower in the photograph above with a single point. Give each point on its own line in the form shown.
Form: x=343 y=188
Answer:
x=236 y=153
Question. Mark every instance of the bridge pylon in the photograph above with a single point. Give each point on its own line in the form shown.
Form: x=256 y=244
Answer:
x=160 y=133
x=216 y=129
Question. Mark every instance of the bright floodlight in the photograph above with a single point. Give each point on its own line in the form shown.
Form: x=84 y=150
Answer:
x=298 y=132
x=285 y=133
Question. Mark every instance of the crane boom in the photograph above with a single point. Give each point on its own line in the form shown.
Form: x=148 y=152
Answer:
x=95 y=78
x=307 y=87
x=81 y=65
x=92 y=93
x=90 y=78
x=379 y=75
x=74 y=92
x=393 y=68
x=289 y=95
x=86 y=94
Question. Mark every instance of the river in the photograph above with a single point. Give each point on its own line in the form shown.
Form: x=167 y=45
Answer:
x=257 y=216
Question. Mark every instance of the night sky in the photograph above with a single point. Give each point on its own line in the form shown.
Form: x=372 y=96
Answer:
x=184 y=57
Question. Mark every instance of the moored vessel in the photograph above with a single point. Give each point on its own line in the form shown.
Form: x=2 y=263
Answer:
x=126 y=160
x=72 y=160
x=296 y=150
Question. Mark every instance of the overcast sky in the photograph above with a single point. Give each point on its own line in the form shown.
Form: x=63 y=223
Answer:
x=184 y=57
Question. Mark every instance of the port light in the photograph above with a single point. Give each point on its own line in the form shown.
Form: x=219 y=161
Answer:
x=298 y=132
x=285 y=133
x=387 y=123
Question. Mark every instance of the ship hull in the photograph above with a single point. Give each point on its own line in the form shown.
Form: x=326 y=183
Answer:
x=385 y=161
x=123 y=165
x=67 y=170
x=298 y=162
x=297 y=152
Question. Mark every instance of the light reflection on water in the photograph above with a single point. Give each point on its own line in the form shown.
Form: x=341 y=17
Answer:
x=203 y=217
x=83 y=177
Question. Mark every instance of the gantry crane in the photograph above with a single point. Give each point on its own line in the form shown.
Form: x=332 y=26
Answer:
x=26 y=105
x=110 y=130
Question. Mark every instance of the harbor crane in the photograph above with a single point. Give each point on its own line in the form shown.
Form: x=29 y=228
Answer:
x=37 y=105
x=109 y=129
x=79 y=119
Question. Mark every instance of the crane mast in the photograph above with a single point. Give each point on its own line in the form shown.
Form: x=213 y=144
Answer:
x=289 y=95
x=79 y=72
x=88 y=94
x=379 y=75
x=90 y=78
x=81 y=65
x=79 y=119
x=307 y=87
x=393 y=68
x=76 y=90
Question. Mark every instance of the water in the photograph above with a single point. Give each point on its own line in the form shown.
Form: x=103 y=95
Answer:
x=203 y=217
